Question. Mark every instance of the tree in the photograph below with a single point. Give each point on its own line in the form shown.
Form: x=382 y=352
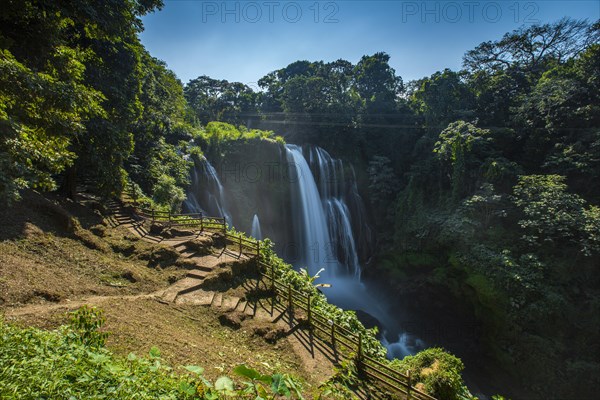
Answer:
x=160 y=129
x=551 y=215
x=41 y=113
x=560 y=119
x=167 y=192
x=314 y=100
x=465 y=146
x=376 y=83
x=383 y=183
x=484 y=205
x=438 y=371
x=89 y=56
x=531 y=47
x=443 y=98
x=220 y=100
x=496 y=94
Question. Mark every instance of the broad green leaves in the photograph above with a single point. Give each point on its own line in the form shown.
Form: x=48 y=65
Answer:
x=50 y=364
x=279 y=385
x=195 y=369
x=552 y=214
x=84 y=327
x=224 y=384
x=40 y=115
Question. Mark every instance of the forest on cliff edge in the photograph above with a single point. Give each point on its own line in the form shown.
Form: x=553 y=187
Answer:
x=483 y=180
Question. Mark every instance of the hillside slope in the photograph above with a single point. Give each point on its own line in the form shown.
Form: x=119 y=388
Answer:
x=57 y=255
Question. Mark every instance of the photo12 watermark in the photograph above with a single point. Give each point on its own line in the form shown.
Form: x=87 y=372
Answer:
x=524 y=12
x=319 y=12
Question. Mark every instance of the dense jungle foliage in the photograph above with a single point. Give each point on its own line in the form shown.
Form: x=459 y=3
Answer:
x=73 y=362
x=483 y=180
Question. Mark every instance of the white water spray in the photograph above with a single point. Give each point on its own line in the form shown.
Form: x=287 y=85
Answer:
x=256 y=232
x=206 y=193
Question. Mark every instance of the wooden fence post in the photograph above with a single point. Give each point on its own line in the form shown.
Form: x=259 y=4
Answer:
x=201 y=222
x=409 y=385
x=153 y=215
x=359 y=351
x=258 y=248
x=273 y=279
x=240 y=244
x=273 y=292
x=333 y=334
x=290 y=305
x=309 y=312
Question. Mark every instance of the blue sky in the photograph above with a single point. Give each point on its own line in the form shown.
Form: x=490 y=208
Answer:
x=244 y=40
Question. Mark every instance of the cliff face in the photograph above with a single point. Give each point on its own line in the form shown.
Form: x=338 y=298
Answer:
x=256 y=181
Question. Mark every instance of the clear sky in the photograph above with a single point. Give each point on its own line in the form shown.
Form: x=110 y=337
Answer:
x=244 y=40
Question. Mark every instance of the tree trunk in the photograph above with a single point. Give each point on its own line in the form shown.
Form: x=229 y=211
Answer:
x=69 y=185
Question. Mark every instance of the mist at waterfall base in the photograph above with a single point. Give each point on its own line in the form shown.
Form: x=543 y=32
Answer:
x=329 y=229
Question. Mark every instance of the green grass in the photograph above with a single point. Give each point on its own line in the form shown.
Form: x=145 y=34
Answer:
x=54 y=365
x=72 y=363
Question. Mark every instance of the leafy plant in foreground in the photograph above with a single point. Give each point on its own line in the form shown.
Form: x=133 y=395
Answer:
x=72 y=362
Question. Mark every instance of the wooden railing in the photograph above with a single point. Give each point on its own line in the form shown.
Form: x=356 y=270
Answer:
x=341 y=340
x=202 y=223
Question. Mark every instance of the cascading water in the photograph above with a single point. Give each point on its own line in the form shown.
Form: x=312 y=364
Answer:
x=332 y=186
x=406 y=345
x=256 y=232
x=322 y=218
x=310 y=224
x=206 y=193
x=321 y=194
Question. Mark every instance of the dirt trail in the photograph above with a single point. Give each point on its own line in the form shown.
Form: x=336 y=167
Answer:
x=161 y=317
x=69 y=305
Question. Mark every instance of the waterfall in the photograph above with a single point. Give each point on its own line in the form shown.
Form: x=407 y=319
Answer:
x=206 y=194
x=310 y=224
x=333 y=189
x=256 y=233
x=323 y=222
x=327 y=211
x=341 y=235
x=322 y=210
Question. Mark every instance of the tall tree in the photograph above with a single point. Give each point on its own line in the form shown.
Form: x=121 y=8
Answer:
x=94 y=46
x=220 y=100
x=530 y=48
x=443 y=98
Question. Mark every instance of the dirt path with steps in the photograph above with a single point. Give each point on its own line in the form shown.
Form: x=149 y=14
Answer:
x=189 y=291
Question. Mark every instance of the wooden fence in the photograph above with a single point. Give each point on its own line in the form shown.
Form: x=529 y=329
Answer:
x=341 y=340
x=202 y=223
